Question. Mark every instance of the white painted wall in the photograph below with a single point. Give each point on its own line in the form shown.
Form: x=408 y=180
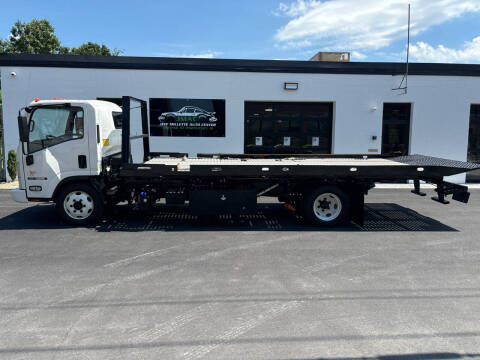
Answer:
x=440 y=113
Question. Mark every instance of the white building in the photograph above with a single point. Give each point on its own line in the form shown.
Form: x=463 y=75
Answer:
x=334 y=107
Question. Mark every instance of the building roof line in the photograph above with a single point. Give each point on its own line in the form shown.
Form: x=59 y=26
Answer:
x=236 y=65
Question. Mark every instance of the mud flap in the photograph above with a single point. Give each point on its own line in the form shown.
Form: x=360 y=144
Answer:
x=357 y=206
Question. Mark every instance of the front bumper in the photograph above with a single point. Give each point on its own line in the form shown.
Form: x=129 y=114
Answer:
x=19 y=195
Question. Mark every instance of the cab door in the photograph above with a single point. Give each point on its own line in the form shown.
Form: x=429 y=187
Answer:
x=57 y=148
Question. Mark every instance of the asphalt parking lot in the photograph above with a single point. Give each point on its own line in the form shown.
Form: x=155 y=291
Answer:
x=165 y=286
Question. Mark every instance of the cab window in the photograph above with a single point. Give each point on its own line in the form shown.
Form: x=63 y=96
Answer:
x=53 y=125
x=117 y=119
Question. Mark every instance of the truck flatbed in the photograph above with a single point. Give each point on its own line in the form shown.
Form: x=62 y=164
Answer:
x=292 y=161
x=356 y=167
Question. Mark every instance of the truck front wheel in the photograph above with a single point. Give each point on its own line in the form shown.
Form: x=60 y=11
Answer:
x=326 y=206
x=79 y=204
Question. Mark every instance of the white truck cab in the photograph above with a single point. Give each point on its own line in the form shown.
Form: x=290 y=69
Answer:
x=63 y=141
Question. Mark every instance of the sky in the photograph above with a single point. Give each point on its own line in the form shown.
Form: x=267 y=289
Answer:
x=372 y=30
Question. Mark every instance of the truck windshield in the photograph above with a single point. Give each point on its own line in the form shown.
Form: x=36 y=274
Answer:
x=53 y=125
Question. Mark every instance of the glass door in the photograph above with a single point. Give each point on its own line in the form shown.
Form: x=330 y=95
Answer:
x=473 y=154
x=396 y=128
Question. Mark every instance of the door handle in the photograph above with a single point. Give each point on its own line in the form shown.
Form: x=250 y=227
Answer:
x=29 y=160
x=82 y=161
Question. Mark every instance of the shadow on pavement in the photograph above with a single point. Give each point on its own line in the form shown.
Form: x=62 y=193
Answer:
x=415 y=356
x=378 y=217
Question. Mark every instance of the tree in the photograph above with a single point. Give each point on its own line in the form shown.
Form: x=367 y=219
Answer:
x=12 y=164
x=38 y=37
x=1 y=120
x=91 y=48
x=1 y=124
x=34 y=37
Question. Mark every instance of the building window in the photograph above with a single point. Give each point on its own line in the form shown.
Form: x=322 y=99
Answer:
x=396 y=128
x=187 y=117
x=288 y=127
x=474 y=142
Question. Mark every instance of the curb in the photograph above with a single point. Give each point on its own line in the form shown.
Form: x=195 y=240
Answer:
x=9 y=185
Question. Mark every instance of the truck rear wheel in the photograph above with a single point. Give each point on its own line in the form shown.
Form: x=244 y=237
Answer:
x=79 y=204
x=326 y=206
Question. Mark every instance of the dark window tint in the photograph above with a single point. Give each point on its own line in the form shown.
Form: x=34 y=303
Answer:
x=187 y=117
x=396 y=128
x=117 y=119
x=288 y=127
x=474 y=142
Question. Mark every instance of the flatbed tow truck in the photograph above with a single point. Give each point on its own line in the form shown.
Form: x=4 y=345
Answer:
x=88 y=155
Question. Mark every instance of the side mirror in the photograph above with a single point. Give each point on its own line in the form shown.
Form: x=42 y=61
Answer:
x=23 y=129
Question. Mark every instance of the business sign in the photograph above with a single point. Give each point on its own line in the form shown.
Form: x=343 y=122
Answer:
x=187 y=117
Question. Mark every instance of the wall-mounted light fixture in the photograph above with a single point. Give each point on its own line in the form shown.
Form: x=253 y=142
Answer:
x=290 y=86
x=373 y=108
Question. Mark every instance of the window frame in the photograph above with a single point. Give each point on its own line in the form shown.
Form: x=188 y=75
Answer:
x=72 y=110
x=408 y=121
x=268 y=126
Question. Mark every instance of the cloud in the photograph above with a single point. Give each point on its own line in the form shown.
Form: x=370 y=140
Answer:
x=358 y=55
x=366 y=24
x=205 y=55
x=468 y=53
x=294 y=44
x=295 y=9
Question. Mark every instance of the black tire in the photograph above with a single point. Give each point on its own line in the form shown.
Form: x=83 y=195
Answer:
x=334 y=210
x=87 y=199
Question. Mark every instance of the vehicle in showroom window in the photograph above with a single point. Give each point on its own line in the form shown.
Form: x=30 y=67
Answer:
x=188 y=113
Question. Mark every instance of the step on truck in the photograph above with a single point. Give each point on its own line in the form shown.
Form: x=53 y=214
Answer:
x=87 y=156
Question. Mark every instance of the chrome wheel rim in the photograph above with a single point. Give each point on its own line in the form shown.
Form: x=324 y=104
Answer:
x=78 y=205
x=327 y=206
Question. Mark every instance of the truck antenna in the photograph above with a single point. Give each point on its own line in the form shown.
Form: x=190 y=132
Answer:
x=404 y=83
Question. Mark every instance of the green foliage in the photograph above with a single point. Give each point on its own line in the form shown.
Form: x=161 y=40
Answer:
x=34 y=37
x=12 y=164
x=38 y=37
x=3 y=46
x=1 y=123
x=91 y=48
x=64 y=50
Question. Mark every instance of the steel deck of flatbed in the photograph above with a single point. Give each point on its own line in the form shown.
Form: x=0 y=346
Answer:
x=360 y=167
x=186 y=163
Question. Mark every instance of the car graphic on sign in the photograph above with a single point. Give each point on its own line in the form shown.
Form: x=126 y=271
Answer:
x=188 y=113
